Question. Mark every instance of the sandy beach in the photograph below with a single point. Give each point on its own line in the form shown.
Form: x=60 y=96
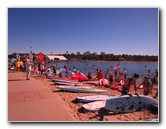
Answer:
x=80 y=115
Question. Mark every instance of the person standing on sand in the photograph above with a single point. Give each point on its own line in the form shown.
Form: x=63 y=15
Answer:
x=42 y=68
x=111 y=78
x=147 y=86
x=107 y=74
x=99 y=75
x=128 y=83
x=18 y=65
x=28 y=68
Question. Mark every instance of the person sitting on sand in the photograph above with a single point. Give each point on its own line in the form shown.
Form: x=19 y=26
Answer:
x=66 y=68
x=89 y=75
x=128 y=83
x=147 y=86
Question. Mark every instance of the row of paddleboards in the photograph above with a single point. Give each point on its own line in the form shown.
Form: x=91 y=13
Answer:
x=74 y=86
x=111 y=103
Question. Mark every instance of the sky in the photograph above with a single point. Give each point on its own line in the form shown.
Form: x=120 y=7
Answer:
x=132 y=31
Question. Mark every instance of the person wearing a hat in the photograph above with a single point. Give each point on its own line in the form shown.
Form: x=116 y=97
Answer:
x=147 y=86
x=128 y=83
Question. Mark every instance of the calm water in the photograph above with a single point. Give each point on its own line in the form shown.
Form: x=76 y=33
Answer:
x=131 y=67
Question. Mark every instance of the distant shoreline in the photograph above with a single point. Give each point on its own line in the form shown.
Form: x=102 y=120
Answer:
x=102 y=61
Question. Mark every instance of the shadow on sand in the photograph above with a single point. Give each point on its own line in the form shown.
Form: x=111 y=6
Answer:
x=101 y=113
x=17 y=80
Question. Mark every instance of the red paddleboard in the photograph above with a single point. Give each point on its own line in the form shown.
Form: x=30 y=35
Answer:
x=119 y=88
x=80 y=77
x=115 y=87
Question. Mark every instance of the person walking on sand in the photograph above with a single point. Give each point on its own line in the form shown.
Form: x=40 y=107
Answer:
x=128 y=83
x=147 y=86
x=28 y=68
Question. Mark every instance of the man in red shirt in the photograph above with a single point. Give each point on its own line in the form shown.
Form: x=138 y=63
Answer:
x=99 y=75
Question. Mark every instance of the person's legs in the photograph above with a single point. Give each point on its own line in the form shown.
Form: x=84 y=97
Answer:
x=124 y=91
x=28 y=73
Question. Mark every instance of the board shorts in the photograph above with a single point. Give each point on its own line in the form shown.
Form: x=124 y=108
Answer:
x=146 y=92
x=124 y=91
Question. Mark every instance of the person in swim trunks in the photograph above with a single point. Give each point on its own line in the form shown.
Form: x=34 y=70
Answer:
x=147 y=86
x=128 y=83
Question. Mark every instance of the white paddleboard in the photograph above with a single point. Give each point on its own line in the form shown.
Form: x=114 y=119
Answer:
x=85 y=89
x=94 y=106
x=129 y=104
x=91 y=98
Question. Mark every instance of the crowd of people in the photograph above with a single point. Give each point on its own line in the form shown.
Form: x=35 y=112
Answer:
x=41 y=69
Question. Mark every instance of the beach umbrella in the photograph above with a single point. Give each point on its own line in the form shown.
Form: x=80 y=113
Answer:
x=13 y=60
x=40 y=57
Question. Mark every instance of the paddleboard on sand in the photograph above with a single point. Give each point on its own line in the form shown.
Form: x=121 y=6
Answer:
x=68 y=83
x=94 y=106
x=65 y=81
x=92 y=82
x=119 y=88
x=92 y=98
x=85 y=89
x=129 y=104
x=79 y=77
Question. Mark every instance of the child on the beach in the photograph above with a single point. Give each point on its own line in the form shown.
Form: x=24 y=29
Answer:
x=128 y=83
x=147 y=86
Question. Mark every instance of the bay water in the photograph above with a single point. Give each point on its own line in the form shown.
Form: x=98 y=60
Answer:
x=141 y=68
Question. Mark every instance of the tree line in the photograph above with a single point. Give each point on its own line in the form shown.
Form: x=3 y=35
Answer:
x=110 y=57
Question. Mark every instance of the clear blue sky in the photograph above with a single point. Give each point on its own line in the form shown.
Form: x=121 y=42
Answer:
x=57 y=30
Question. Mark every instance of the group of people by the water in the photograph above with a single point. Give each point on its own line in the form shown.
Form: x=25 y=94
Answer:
x=112 y=79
